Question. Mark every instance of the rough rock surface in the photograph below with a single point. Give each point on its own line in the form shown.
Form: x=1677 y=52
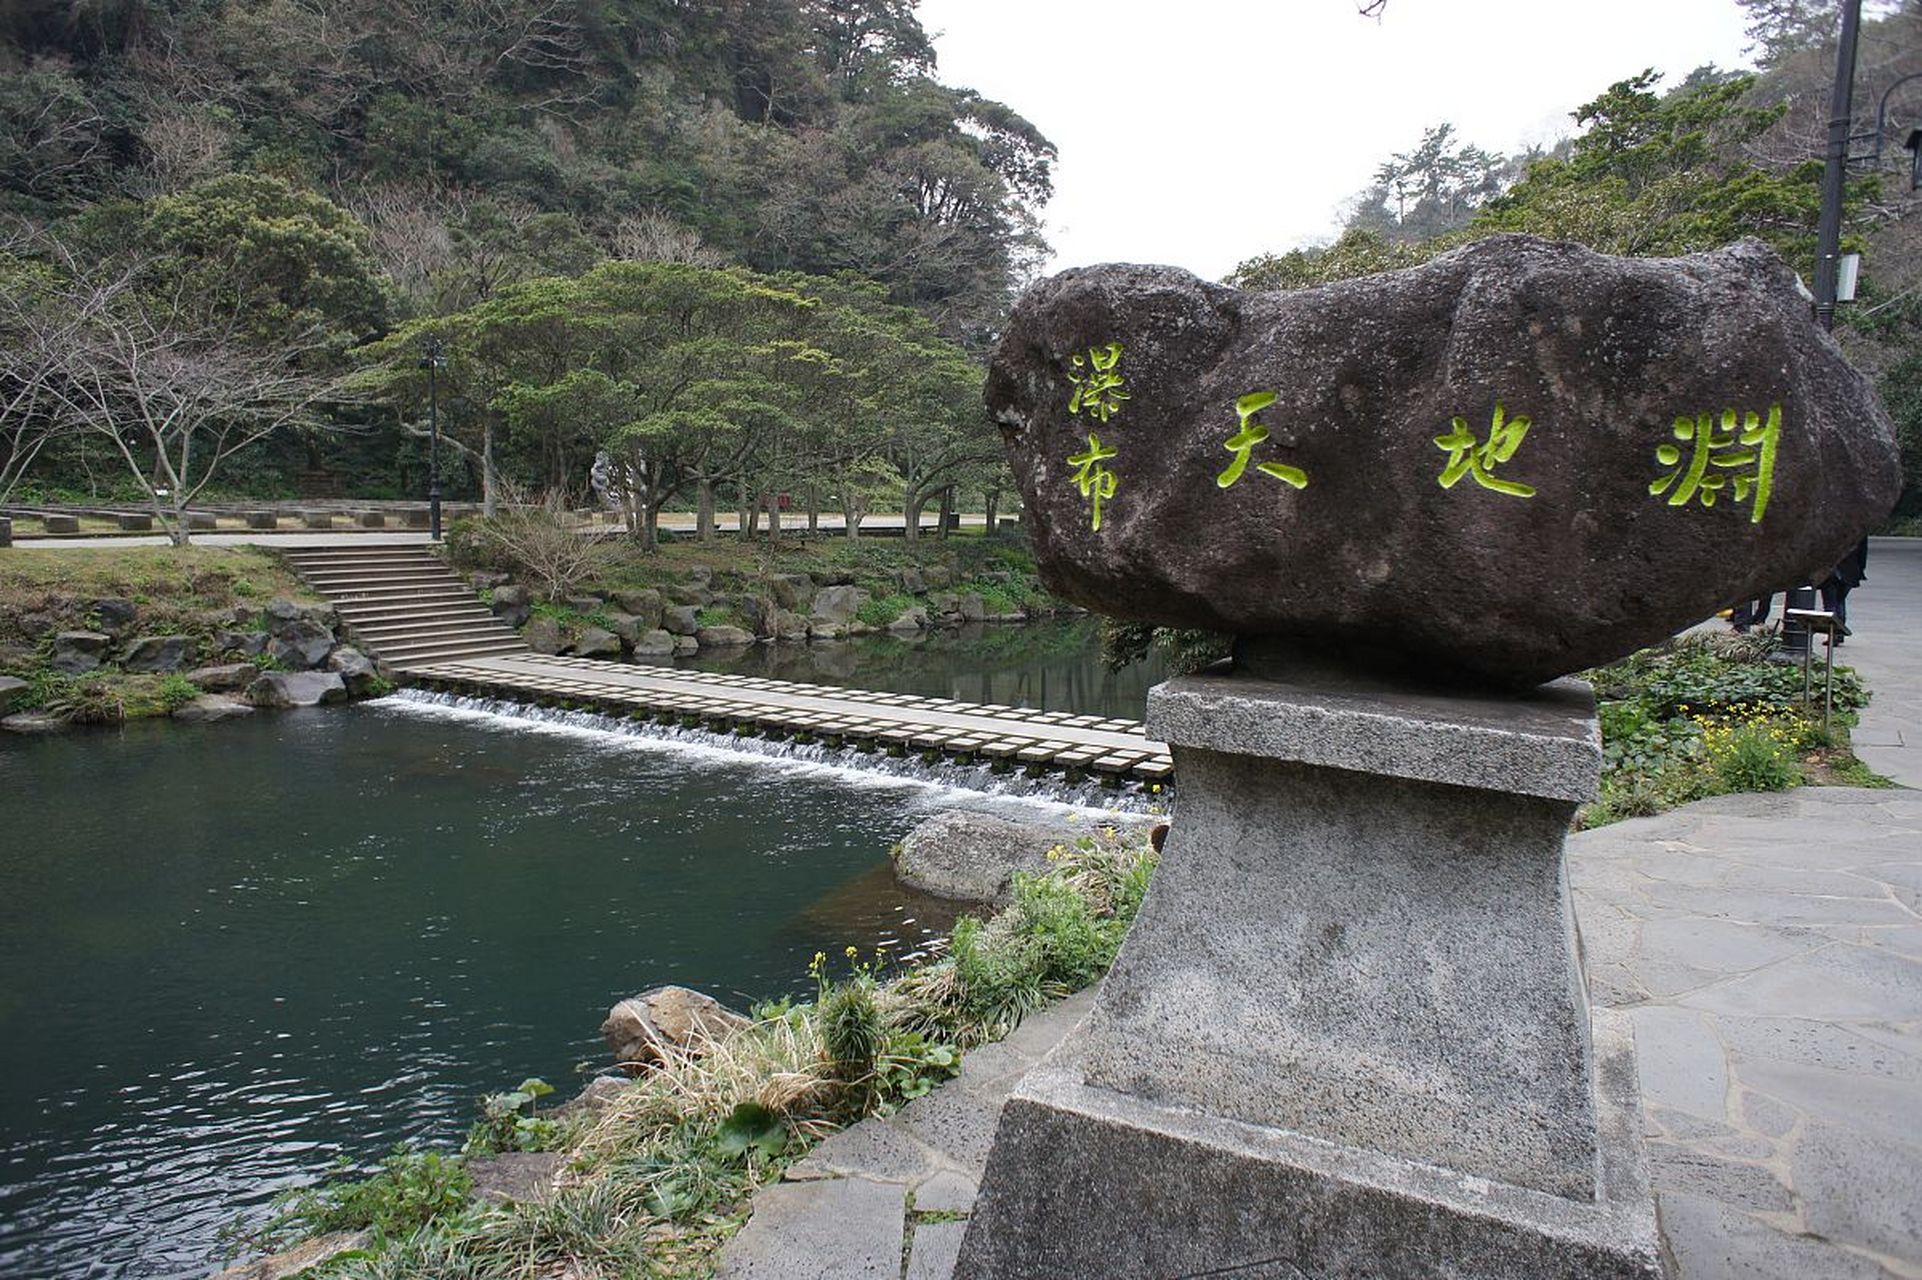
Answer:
x=115 y=615
x=543 y=635
x=160 y=655
x=13 y=691
x=301 y=643
x=297 y=689
x=512 y=604
x=1512 y=461
x=644 y=604
x=681 y=619
x=597 y=642
x=666 y=1021
x=75 y=652
x=972 y=856
x=227 y=678
x=33 y=722
x=653 y=644
x=723 y=637
x=838 y=604
x=211 y=708
x=355 y=669
x=296 y=1261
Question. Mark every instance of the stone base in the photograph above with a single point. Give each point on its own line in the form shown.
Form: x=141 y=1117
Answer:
x=1088 y=1184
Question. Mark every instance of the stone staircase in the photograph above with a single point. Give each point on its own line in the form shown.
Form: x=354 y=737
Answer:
x=401 y=605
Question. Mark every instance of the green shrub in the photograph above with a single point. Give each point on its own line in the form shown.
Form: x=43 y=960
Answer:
x=1754 y=755
x=508 y=1122
x=880 y=610
x=175 y=692
x=412 y=1189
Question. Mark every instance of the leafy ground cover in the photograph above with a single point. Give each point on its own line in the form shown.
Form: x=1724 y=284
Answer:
x=658 y=1175
x=1708 y=714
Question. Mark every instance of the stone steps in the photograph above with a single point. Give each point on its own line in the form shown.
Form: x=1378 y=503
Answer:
x=403 y=606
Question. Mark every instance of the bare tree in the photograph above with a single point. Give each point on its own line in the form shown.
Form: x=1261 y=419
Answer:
x=652 y=236
x=174 y=395
x=544 y=541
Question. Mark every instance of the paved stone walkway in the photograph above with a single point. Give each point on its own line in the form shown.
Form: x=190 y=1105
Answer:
x=1768 y=949
x=1885 y=613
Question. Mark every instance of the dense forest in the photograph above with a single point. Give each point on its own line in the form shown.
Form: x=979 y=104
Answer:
x=223 y=178
x=728 y=248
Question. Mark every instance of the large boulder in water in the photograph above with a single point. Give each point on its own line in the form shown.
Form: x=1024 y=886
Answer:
x=1517 y=460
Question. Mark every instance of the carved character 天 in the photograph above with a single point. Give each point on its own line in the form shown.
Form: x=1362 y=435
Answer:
x=1251 y=433
x=1098 y=389
x=1469 y=456
x=1741 y=442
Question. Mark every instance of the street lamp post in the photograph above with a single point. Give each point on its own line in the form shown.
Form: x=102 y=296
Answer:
x=433 y=358
x=1828 y=229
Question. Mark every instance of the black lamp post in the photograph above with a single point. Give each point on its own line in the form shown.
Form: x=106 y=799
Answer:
x=1828 y=229
x=433 y=358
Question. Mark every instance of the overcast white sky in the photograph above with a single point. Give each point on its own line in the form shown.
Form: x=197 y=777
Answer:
x=1202 y=132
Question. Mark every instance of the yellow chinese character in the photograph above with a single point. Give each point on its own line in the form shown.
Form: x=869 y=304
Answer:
x=1094 y=480
x=1745 y=442
x=1243 y=442
x=1466 y=456
x=1098 y=388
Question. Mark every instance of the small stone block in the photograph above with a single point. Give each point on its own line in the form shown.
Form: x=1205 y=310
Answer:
x=61 y=524
x=371 y=520
x=133 y=522
x=202 y=520
x=262 y=520
x=416 y=518
x=316 y=520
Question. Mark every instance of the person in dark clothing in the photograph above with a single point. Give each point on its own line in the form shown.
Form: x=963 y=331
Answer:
x=1751 y=613
x=1844 y=578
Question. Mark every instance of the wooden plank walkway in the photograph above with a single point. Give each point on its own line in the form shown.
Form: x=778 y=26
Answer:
x=1115 y=751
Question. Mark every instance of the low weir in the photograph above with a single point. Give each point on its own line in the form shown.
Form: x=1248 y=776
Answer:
x=1084 y=791
x=1001 y=741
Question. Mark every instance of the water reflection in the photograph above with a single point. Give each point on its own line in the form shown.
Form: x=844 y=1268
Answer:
x=235 y=951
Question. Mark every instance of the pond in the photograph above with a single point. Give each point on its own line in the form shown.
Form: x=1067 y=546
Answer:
x=235 y=953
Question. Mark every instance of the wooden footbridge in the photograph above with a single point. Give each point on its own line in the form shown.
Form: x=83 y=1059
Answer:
x=403 y=614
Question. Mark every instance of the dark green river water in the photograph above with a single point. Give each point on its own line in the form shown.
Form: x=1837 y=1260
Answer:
x=233 y=953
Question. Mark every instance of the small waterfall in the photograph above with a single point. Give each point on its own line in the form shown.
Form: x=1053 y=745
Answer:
x=1048 y=788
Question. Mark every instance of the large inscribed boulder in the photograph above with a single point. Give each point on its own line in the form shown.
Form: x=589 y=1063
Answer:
x=1515 y=461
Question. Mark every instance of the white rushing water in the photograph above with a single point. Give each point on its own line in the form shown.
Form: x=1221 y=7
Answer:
x=862 y=768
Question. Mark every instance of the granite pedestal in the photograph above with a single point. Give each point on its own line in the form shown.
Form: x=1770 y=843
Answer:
x=1348 y=1034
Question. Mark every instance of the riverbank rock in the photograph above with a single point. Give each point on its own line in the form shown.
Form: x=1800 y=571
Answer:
x=78 y=652
x=654 y=644
x=211 y=708
x=248 y=644
x=283 y=689
x=681 y=619
x=723 y=637
x=306 y=1255
x=543 y=635
x=837 y=605
x=511 y=604
x=300 y=643
x=13 y=692
x=972 y=857
x=910 y=621
x=31 y=722
x=160 y=655
x=1515 y=461
x=356 y=670
x=667 y=1022
x=596 y=642
x=114 y=615
x=227 y=678
x=644 y=604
